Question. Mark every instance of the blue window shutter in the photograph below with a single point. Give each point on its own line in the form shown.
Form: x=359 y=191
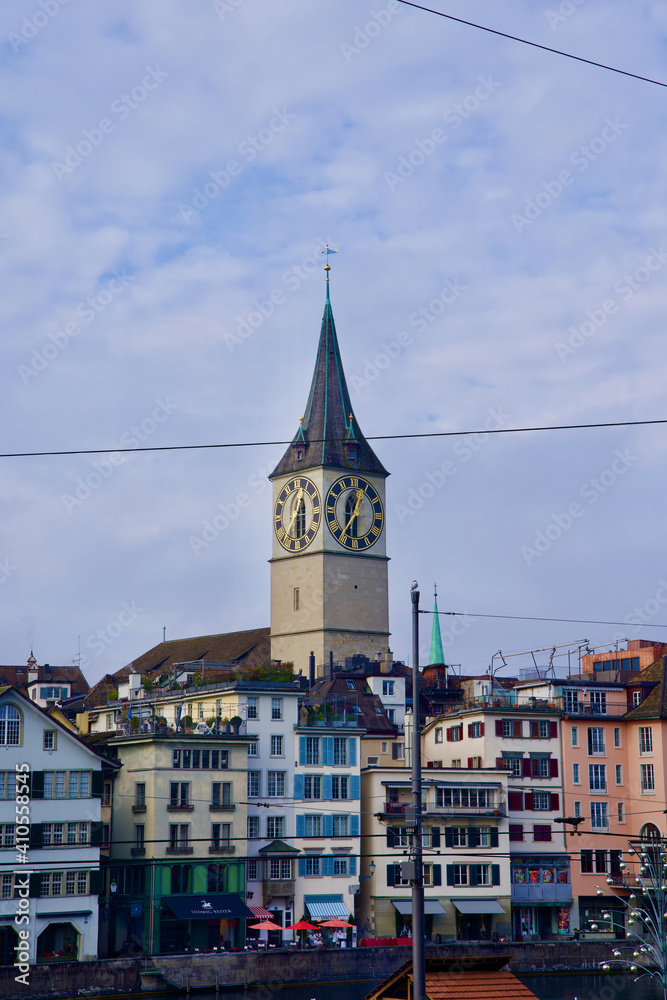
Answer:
x=354 y=825
x=327 y=750
x=437 y=874
x=472 y=874
x=435 y=836
x=352 y=750
x=495 y=874
x=298 y=786
x=494 y=836
x=328 y=825
x=355 y=786
x=326 y=786
x=302 y=863
x=301 y=826
x=391 y=878
x=302 y=749
x=450 y=874
x=353 y=864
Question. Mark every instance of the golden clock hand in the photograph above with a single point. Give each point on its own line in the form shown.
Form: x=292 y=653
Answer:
x=355 y=512
x=299 y=497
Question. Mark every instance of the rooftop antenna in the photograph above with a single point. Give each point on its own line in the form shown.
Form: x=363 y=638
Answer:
x=164 y=633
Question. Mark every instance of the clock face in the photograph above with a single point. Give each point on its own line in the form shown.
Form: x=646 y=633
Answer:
x=298 y=514
x=354 y=513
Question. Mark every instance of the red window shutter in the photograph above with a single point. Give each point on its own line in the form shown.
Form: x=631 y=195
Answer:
x=534 y=730
x=553 y=730
x=515 y=801
x=516 y=831
x=469 y=730
x=481 y=729
x=553 y=767
x=449 y=735
x=528 y=801
x=555 y=801
x=525 y=767
x=501 y=763
x=469 y=762
x=516 y=728
x=499 y=727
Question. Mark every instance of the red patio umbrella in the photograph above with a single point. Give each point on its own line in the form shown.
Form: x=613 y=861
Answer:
x=266 y=925
x=336 y=922
x=302 y=925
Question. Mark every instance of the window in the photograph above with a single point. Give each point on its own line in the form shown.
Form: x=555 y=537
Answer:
x=645 y=739
x=620 y=812
x=577 y=808
x=7 y=784
x=221 y=794
x=475 y=761
x=456 y=762
x=340 y=865
x=296 y=599
x=647 y=777
x=252 y=707
x=275 y=827
x=460 y=874
x=64 y=784
x=179 y=795
x=139 y=839
x=252 y=869
x=597 y=777
x=508 y=729
x=312 y=865
x=208 y=760
x=596 y=741
x=254 y=783
x=279 y=868
x=539 y=765
x=384 y=748
x=398 y=751
x=575 y=774
x=484 y=836
x=482 y=873
x=598 y=701
x=140 y=794
x=253 y=828
x=313 y=750
x=636 y=698
x=106 y=794
x=341 y=826
x=7 y=834
x=253 y=749
x=476 y=730
x=438 y=734
x=542 y=801
x=275 y=786
x=619 y=774
x=276 y=746
x=49 y=739
x=587 y=862
x=599 y=818
x=543 y=729
x=313 y=826
x=466 y=798
x=600 y=862
x=52 y=883
x=179 y=837
x=78 y=833
x=617 y=736
x=513 y=763
x=571 y=696
x=312 y=786
x=220 y=835
x=574 y=732
x=276 y=709
x=200 y=710
x=340 y=786
x=340 y=751
x=110 y=720
x=459 y=836
x=456 y=734
x=388 y=689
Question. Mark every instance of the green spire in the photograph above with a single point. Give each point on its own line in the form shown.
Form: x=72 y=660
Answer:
x=436 y=655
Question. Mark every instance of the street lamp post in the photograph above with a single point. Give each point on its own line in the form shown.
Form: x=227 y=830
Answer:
x=418 y=963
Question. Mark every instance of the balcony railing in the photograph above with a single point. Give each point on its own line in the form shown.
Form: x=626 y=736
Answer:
x=490 y=810
x=222 y=807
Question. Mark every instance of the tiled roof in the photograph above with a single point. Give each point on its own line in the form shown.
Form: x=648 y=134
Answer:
x=17 y=676
x=654 y=706
x=229 y=647
x=476 y=986
x=329 y=425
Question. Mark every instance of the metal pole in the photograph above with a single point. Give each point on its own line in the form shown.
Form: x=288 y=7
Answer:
x=418 y=964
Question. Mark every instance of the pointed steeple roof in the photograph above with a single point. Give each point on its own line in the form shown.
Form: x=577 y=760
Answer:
x=437 y=654
x=329 y=434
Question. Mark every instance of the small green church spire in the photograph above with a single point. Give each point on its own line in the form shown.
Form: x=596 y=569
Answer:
x=437 y=654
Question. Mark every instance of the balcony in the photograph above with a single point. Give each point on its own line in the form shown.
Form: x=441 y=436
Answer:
x=174 y=807
x=137 y=852
x=432 y=809
x=139 y=807
x=222 y=807
x=395 y=808
x=222 y=849
x=180 y=849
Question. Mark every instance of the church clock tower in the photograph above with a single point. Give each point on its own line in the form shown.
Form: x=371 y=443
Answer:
x=329 y=567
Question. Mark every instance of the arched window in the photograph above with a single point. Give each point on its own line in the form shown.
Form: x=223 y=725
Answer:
x=350 y=505
x=300 y=520
x=10 y=725
x=650 y=832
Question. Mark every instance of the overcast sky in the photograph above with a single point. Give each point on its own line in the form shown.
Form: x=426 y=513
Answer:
x=170 y=173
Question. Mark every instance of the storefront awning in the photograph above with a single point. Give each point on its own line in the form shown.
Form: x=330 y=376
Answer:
x=478 y=906
x=404 y=906
x=205 y=907
x=259 y=911
x=324 y=907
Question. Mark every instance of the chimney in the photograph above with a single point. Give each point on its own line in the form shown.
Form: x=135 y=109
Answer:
x=311 y=666
x=33 y=669
x=331 y=665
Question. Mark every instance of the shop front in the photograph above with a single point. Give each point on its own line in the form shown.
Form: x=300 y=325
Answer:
x=541 y=898
x=432 y=910
x=475 y=918
x=203 y=923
